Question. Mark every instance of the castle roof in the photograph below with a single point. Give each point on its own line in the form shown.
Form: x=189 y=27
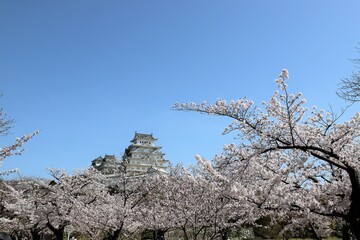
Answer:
x=143 y=136
x=107 y=158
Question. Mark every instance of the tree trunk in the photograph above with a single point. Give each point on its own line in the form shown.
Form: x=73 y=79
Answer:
x=354 y=211
x=35 y=235
x=113 y=236
x=58 y=232
x=354 y=218
x=185 y=233
x=224 y=234
x=351 y=230
x=158 y=233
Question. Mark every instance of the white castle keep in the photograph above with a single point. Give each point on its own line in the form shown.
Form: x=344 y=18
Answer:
x=139 y=158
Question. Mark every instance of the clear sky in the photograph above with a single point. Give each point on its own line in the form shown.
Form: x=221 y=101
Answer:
x=88 y=74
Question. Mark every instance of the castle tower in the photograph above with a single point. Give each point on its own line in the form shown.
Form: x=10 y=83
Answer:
x=143 y=156
x=107 y=165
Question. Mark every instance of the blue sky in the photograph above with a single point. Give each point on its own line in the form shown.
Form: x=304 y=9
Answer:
x=88 y=74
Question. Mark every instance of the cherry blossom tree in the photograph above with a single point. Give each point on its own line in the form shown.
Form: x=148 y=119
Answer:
x=65 y=192
x=91 y=192
x=88 y=202
x=350 y=87
x=111 y=214
x=15 y=148
x=42 y=206
x=117 y=202
x=39 y=208
x=5 y=152
x=198 y=206
x=22 y=200
x=152 y=215
x=300 y=165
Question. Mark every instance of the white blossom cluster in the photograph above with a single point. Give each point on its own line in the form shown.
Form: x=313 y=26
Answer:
x=298 y=165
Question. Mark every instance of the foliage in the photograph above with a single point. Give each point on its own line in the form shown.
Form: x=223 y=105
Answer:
x=295 y=173
x=298 y=165
x=5 y=152
x=15 y=148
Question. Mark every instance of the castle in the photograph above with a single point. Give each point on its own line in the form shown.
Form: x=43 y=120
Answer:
x=139 y=158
